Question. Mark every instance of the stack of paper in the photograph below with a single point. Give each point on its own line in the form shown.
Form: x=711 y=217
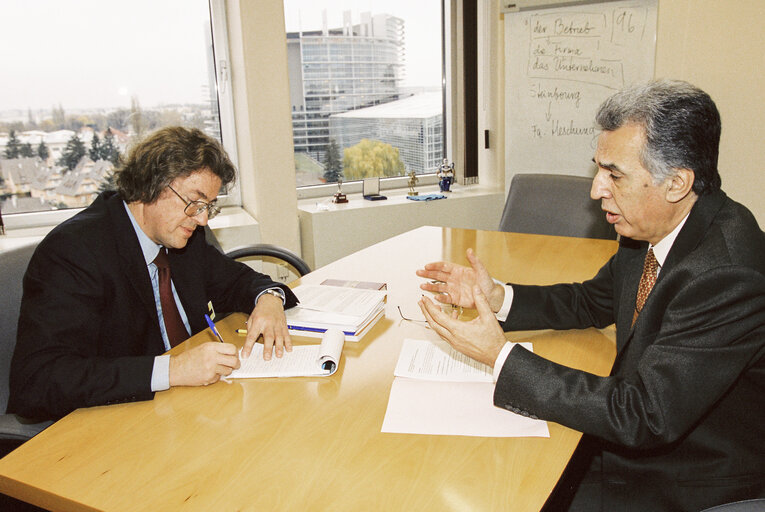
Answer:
x=352 y=310
x=439 y=391
x=303 y=361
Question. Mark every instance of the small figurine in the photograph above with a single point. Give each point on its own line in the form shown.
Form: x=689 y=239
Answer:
x=445 y=175
x=412 y=182
x=339 y=197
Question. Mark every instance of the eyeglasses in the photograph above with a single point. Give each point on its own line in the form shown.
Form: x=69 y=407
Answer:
x=424 y=323
x=194 y=208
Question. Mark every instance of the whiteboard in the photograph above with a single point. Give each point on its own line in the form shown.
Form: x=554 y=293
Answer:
x=560 y=64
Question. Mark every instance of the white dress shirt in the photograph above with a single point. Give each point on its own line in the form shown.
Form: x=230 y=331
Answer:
x=660 y=250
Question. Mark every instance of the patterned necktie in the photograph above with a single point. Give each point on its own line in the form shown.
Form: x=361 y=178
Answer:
x=647 y=280
x=176 y=331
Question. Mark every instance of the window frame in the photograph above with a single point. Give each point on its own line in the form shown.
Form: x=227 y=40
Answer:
x=223 y=86
x=400 y=182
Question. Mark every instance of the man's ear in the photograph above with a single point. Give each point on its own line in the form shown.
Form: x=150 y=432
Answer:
x=680 y=185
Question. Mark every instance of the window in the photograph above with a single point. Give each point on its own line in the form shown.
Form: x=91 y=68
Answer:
x=84 y=79
x=366 y=88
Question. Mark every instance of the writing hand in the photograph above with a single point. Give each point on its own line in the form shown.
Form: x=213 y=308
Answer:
x=203 y=365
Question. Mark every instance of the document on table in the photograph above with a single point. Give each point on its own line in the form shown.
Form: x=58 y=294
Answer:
x=343 y=301
x=438 y=391
x=303 y=361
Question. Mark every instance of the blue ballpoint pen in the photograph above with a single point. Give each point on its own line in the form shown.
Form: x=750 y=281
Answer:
x=212 y=328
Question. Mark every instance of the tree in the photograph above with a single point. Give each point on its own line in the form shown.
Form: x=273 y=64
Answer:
x=42 y=151
x=109 y=183
x=95 y=148
x=109 y=150
x=13 y=147
x=333 y=166
x=136 y=118
x=73 y=153
x=59 y=117
x=26 y=151
x=372 y=158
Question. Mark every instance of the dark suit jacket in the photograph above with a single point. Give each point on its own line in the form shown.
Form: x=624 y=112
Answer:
x=88 y=327
x=681 y=419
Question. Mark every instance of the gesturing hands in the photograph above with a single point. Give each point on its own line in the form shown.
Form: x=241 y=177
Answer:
x=455 y=283
x=481 y=338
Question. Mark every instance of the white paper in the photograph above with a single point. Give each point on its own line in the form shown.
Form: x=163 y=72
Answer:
x=437 y=360
x=453 y=409
x=303 y=361
x=354 y=302
x=440 y=391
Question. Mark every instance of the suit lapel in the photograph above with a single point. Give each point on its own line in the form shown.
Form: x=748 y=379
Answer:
x=633 y=270
x=186 y=269
x=132 y=263
x=700 y=219
x=693 y=231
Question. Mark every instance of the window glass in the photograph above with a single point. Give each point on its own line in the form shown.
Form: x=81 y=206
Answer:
x=83 y=79
x=365 y=88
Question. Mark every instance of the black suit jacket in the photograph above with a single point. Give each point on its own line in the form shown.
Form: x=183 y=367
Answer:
x=680 y=422
x=88 y=327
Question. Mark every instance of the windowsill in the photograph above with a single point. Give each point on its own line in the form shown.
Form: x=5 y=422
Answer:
x=399 y=183
x=234 y=227
x=396 y=196
x=330 y=231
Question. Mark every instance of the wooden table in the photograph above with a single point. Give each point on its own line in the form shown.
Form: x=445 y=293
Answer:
x=315 y=443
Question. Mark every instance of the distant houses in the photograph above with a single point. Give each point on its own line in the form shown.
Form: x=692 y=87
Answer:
x=28 y=184
x=31 y=184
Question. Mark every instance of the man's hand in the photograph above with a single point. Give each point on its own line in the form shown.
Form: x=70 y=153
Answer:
x=481 y=339
x=203 y=365
x=268 y=319
x=455 y=283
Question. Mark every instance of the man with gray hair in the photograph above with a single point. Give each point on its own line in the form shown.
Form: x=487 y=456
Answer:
x=678 y=424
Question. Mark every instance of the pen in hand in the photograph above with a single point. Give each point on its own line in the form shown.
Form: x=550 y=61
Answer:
x=212 y=328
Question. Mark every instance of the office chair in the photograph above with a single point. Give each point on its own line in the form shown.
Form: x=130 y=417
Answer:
x=13 y=264
x=259 y=251
x=554 y=204
x=757 y=505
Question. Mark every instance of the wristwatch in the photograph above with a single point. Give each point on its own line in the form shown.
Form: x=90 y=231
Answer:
x=276 y=292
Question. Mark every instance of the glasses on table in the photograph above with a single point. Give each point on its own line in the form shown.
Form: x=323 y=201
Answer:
x=424 y=323
x=194 y=208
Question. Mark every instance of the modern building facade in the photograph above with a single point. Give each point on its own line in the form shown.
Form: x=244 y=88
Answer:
x=332 y=71
x=414 y=125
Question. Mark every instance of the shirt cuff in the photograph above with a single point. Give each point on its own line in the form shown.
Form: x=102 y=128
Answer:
x=160 y=375
x=501 y=358
x=276 y=289
x=507 y=303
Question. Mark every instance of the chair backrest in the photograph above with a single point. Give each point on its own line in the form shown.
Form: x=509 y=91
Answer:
x=756 y=505
x=554 y=204
x=13 y=264
x=259 y=250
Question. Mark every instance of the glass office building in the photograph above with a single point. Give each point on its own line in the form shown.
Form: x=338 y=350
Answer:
x=414 y=125
x=337 y=70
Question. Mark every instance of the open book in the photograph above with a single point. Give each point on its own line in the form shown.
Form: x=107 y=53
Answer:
x=303 y=361
x=352 y=310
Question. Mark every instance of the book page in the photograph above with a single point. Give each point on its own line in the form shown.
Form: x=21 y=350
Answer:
x=303 y=361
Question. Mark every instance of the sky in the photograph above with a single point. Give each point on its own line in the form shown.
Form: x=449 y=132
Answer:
x=53 y=52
